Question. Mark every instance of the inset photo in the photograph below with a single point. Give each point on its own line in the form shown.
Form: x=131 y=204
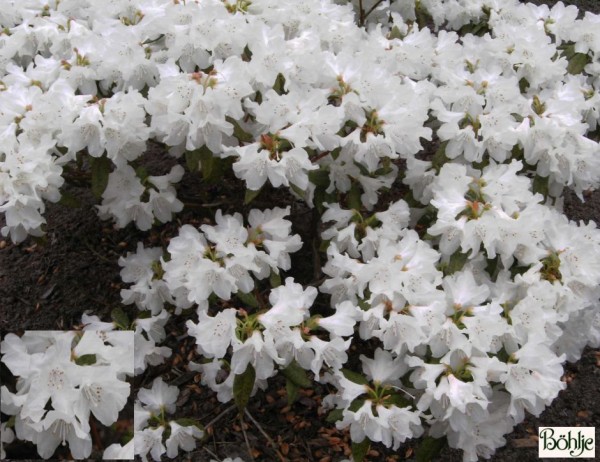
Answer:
x=66 y=395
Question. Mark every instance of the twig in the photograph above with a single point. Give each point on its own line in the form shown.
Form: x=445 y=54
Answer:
x=265 y=434
x=320 y=156
x=101 y=257
x=95 y=435
x=211 y=453
x=309 y=450
x=246 y=437
x=361 y=14
x=216 y=419
x=183 y=378
x=375 y=5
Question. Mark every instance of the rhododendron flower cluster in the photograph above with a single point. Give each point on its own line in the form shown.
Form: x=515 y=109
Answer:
x=63 y=377
x=151 y=425
x=447 y=311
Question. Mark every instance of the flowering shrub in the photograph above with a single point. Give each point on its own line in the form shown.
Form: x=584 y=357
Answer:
x=465 y=294
x=63 y=377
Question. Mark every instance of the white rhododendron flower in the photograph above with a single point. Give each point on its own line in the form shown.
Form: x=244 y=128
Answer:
x=68 y=376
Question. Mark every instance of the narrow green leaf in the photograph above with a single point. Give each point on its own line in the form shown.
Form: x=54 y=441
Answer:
x=353 y=197
x=142 y=173
x=100 y=171
x=456 y=263
x=274 y=279
x=518 y=117
x=300 y=192
x=568 y=50
x=524 y=85
x=577 y=62
x=399 y=399
x=439 y=158
x=251 y=195
x=247 y=299
x=541 y=185
x=319 y=177
x=430 y=448
x=360 y=450
x=188 y=422
x=320 y=197
x=356 y=405
x=242 y=387
x=324 y=245
x=239 y=132
x=86 y=360
x=292 y=391
x=334 y=416
x=120 y=318
x=279 y=85
x=354 y=376
x=207 y=162
x=192 y=160
x=69 y=200
x=493 y=267
x=395 y=34
x=297 y=375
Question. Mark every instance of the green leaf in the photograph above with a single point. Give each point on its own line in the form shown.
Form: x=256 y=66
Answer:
x=300 y=192
x=11 y=421
x=540 y=185
x=334 y=416
x=247 y=54
x=274 y=279
x=251 y=195
x=279 y=85
x=493 y=267
x=142 y=173
x=568 y=50
x=321 y=196
x=319 y=177
x=577 y=62
x=192 y=160
x=247 y=299
x=242 y=387
x=518 y=117
x=439 y=158
x=100 y=172
x=69 y=200
x=292 y=391
x=456 y=263
x=430 y=448
x=297 y=375
x=238 y=131
x=324 y=245
x=120 y=318
x=399 y=399
x=207 y=161
x=364 y=305
x=354 y=376
x=356 y=404
x=188 y=422
x=524 y=85
x=395 y=34
x=353 y=197
x=360 y=450
x=86 y=360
